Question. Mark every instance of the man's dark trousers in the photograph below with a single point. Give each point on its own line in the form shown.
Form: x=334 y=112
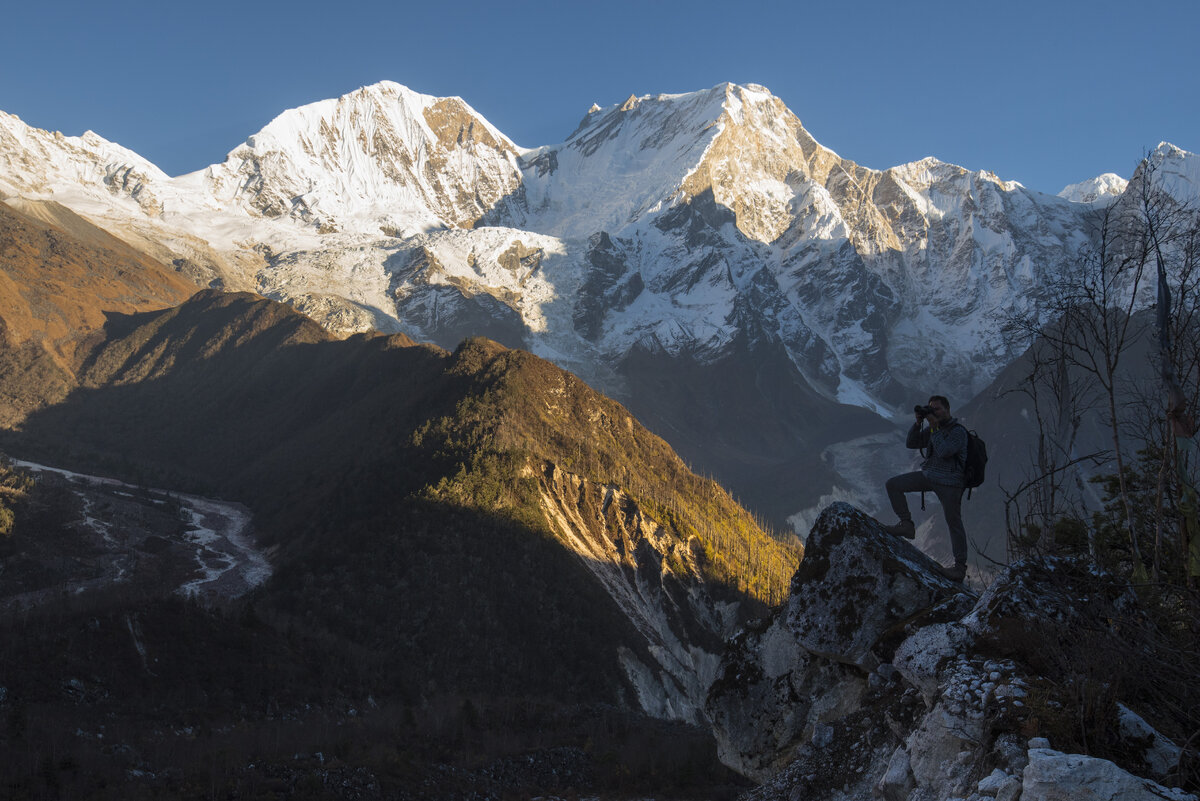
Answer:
x=950 y=498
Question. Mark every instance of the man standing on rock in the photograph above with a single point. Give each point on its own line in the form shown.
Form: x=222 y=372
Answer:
x=940 y=473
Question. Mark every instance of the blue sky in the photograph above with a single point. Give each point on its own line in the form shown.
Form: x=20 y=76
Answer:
x=1045 y=93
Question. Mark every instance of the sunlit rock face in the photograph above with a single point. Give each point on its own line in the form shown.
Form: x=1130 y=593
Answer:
x=653 y=577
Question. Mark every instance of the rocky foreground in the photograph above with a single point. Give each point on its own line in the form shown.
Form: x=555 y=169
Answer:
x=879 y=679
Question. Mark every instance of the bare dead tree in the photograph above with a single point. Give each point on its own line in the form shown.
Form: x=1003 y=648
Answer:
x=1082 y=328
x=1176 y=240
x=1058 y=400
x=1089 y=307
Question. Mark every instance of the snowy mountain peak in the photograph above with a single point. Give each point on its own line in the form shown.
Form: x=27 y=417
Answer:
x=87 y=171
x=1176 y=171
x=1106 y=187
x=383 y=156
x=649 y=153
x=685 y=222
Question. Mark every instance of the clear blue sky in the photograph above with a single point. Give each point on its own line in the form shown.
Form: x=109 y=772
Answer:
x=1045 y=93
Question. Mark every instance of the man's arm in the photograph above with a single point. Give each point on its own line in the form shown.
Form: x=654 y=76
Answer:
x=917 y=438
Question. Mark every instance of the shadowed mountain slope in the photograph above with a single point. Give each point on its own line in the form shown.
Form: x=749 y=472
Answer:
x=420 y=501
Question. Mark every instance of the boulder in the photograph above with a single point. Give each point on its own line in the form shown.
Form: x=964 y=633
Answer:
x=1055 y=776
x=772 y=696
x=1160 y=755
x=897 y=782
x=856 y=585
x=999 y=785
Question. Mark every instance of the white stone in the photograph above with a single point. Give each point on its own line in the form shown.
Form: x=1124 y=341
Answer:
x=897 y=782
x=921 y=657
x=936 y=746
x=991 y=784
x=1055 y=776
x=1162 y=755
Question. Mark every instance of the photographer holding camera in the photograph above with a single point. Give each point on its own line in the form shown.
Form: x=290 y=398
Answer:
x=940 y=473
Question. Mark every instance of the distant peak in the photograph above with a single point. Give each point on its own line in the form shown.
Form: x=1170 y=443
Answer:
x=1108 y=185
x=742 y=89
x=1166 y=148
x=387 y=88
x=630 y=103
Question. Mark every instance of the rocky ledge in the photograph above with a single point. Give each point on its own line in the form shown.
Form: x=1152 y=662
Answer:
x=880 y=679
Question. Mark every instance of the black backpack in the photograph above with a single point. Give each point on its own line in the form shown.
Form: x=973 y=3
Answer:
x=976 y=464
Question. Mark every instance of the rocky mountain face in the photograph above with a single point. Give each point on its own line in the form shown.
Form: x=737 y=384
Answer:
x=705 y=238
x=878 y=679
x=657 y=580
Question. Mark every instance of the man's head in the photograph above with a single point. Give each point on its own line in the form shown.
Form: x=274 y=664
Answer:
x=941 y=408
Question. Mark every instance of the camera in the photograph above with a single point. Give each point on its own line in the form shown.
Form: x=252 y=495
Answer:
x=924 y=411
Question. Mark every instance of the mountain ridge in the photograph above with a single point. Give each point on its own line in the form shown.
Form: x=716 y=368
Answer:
x=706 y=228
x=737 y=145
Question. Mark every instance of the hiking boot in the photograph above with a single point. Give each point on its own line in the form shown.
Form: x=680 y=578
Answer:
x=956 y=573
x=904 y=528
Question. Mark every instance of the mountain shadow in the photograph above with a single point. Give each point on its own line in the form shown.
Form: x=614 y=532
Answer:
x=418 y=501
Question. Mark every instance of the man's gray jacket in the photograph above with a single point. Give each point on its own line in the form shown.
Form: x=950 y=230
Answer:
x=947 y=449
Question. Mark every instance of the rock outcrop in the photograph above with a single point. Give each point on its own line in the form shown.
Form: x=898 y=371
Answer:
x=825 y=657
x=879 y=679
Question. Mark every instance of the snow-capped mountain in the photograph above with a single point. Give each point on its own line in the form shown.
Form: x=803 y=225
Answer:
x=85 y=171
x=1176 y=172
x=1106 y=187
x=671 y=250
x=383 y=158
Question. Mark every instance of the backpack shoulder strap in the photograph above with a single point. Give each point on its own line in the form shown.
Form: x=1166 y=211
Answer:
x=968 y=447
